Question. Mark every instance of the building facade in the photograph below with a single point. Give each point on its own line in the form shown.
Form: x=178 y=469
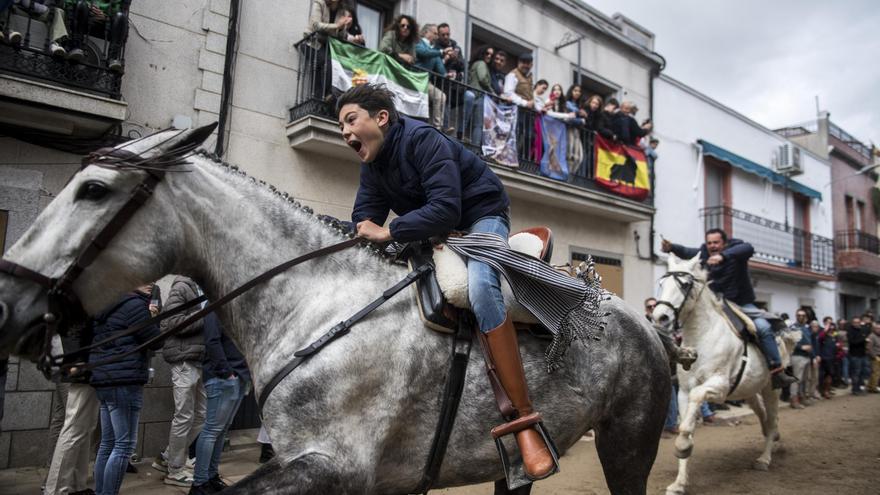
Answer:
x=716 y=169
x=856 y=200
x=194 y=62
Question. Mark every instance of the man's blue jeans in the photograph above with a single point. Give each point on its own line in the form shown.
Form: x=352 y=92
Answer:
x=223 y=398
x=672 y=411
x=484 y=283
x=766 y=338
x=120 y=410
x=859 y=370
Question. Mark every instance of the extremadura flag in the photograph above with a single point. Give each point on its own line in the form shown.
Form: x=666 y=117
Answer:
x=354 y=65
x=622 y=169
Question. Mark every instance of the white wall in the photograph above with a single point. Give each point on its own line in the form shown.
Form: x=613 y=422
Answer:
x=682 y=116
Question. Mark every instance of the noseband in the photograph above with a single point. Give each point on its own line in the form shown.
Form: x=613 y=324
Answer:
x=64 y=308
x=685 y=282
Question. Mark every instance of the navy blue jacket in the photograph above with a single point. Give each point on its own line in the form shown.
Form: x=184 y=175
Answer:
x=433 y=183
x=222 y=357
x=806 y=339
x=731 y=276
x=132 y=309
x=626 y=128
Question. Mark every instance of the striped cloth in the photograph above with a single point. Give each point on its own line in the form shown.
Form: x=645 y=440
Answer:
x=567 y=306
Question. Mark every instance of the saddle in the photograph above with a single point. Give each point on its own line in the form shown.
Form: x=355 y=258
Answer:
x=443 y=292
x=743 y=325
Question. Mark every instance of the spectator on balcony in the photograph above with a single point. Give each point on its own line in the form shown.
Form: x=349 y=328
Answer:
x=573 y=101
x=327 y=18
x=86 y=13
x=431 y=59
x=518 y=87
x=626 y=127
x=597 y=120
x=480 y=73
x=45 y=11
x=452 y=57
x=552 y=103
x=499 y=66
x=400 y=39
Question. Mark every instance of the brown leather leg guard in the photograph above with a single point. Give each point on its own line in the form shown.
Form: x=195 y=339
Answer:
x=504 y=348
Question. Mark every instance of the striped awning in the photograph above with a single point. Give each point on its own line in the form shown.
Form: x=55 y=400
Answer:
x=753 y=168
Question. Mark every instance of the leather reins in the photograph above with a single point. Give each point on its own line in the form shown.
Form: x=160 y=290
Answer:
x=685 y=287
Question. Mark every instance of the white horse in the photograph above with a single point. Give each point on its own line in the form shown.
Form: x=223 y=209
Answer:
x=360 y=416
x=686 y=299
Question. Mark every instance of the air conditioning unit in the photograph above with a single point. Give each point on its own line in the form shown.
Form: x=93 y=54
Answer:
x=788 y=160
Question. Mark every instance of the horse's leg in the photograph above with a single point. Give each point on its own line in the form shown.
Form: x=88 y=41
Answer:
x=769 y=426
x=501 y=489
x=627 y=446
x=310 y=473
x=757 y=407
x=689 y=402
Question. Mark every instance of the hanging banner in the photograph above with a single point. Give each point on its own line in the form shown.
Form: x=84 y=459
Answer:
x=622 y=169
x=499 y=132
x=354 y=65
x=554 y=162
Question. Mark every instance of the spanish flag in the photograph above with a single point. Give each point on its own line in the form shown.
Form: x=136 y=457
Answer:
x=622 y=169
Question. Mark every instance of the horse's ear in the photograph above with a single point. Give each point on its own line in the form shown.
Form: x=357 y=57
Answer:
x=189 y=139
x=672 y=259
x=695 y=261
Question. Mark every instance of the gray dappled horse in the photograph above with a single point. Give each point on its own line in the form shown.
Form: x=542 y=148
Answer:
x=358 y=417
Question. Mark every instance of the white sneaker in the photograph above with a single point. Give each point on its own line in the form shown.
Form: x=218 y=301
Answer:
x=179 y=478
x=57 y=50
x=191 y=463
x=160 y=463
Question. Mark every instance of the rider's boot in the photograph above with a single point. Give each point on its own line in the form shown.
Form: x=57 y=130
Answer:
x=780 y=377
x=503 y=346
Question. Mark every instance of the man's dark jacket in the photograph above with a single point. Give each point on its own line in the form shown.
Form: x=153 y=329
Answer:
x=432 y=182
x=189 y=343
x=856 y=337
x=731 y=276
x=222 y=357
x=626 y=128
x=131 y=370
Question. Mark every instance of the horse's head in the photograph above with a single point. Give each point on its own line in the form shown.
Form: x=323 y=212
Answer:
x=104 y=234
x=675 y=288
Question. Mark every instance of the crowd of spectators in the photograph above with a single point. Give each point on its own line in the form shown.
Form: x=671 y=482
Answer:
x=209 y=376
x=69 y=24
x=430 y=47
x=828 y=356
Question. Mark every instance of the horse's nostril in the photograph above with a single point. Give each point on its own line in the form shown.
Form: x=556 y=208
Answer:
x=663 y=319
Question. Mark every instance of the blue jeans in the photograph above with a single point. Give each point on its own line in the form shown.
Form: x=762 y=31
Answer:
x=766 y=338
x=120 y=409
x=859 y=370
x=484 y=283
x=705 y=410
x=223 y=398
x=672 y=412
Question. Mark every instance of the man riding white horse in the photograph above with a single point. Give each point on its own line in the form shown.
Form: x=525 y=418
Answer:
x=436 y=186
x=727 y=262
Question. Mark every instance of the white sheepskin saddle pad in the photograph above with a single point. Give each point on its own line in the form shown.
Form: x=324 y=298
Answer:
x=451 y=272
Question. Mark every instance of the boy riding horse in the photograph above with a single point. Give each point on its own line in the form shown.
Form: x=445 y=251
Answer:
x=435 y=185
x=728 y=264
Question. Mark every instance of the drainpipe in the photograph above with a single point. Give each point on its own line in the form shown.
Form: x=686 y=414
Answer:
x=228 y=76
x=655 y=73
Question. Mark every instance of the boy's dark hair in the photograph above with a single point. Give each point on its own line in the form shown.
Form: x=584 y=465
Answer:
x=542 y=81
x=717 y=231
x=370 y=97
x=613 y=101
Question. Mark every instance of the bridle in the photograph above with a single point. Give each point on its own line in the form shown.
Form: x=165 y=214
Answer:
x=685 y=282
x=64 y=309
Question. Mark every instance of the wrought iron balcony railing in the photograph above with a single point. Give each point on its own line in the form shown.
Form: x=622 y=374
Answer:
x=77 y=46
x=463 y=110
x=852 y=240
x=774 y=242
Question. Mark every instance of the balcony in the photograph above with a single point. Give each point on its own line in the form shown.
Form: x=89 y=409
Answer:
x=857 y=256
x=313 y=127
x=779 y=249
x=61 y=70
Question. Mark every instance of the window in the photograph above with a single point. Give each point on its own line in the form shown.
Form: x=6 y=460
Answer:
x=370 y=19
x=610 y=269
x=484 y=36
x=592 y=84
x=4 y=219
x=860 y=215
x=717 y=177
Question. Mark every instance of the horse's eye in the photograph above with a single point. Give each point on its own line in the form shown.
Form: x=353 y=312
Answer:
x=92 y=191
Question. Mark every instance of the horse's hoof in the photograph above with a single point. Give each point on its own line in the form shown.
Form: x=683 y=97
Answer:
x=677 y=490
x=761 y=466
x=777 y=437
x=684 y=453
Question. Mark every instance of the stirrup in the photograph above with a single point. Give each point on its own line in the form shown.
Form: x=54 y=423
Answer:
x=514 y=472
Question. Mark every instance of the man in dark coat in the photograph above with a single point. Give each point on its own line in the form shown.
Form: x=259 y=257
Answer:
x=435 y=185
x=728 y=264
x=625 y=126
